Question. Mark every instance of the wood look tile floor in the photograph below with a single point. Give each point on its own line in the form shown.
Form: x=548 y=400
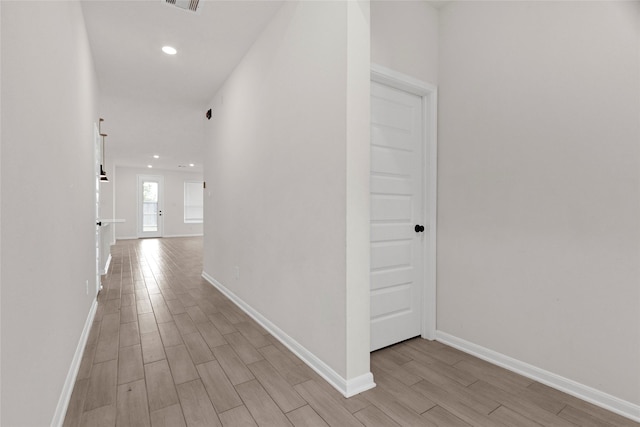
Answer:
x=168 y=349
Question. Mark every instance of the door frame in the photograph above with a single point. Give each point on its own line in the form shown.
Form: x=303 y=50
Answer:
x=429 y=96
x=160 y=179
x=98 y=160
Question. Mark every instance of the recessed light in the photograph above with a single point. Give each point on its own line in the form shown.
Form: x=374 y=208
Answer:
x=169 y=50
x=191 y=164
x=149 y=166
x=155 y=156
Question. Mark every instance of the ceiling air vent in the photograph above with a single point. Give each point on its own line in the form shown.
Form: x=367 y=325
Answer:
x=191 y=5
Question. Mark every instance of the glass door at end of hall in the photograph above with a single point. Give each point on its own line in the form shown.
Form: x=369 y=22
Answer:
x=149 y=206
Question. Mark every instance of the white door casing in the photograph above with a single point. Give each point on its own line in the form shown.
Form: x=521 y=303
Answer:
x=403 y=195
x=150 y=206
x=97 y=162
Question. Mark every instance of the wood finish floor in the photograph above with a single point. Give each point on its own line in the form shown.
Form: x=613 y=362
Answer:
x=168 y=349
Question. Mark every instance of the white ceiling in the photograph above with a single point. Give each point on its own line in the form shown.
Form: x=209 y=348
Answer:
x=154 y=103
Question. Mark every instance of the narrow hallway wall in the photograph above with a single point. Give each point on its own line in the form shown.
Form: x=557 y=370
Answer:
x=287 y=164
x=49 y=99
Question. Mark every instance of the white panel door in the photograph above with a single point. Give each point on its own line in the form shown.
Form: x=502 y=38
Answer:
x=396 y=209
x=150 y=206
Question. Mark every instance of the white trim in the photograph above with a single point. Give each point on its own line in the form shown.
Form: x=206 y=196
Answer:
x=401 y=81
x=348 y=388
x=581 y=391
x=359 y=384
x=184 y=235
x=429 y=95
x=106 y=266
x=98 y=163
x=126 y=238
x=67 y=389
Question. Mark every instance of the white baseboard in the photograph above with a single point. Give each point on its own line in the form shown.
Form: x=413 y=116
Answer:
x=348 y=388
x=359 y=384
x=67 y=389
x=106 y=266
x=581 y=391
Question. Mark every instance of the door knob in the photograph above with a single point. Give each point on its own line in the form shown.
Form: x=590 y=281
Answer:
x=419 y=228
x=99 y=223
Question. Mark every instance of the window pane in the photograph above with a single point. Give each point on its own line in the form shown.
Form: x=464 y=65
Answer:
x=193 y=201
x=150 y=206
x=150 y=192
x=149 y=222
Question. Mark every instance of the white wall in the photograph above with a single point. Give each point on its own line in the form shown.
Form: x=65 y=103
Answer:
x=358 y=151
x=539 y=189
x=49 y=98
x=126 y=207
x=282 y=167
x=0 y=216
x=404 y=38
x=131 y=123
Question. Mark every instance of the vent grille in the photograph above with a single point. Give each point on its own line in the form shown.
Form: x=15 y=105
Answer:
x=191 y=5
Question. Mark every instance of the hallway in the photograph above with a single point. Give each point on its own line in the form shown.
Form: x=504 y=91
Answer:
x=168 y=349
